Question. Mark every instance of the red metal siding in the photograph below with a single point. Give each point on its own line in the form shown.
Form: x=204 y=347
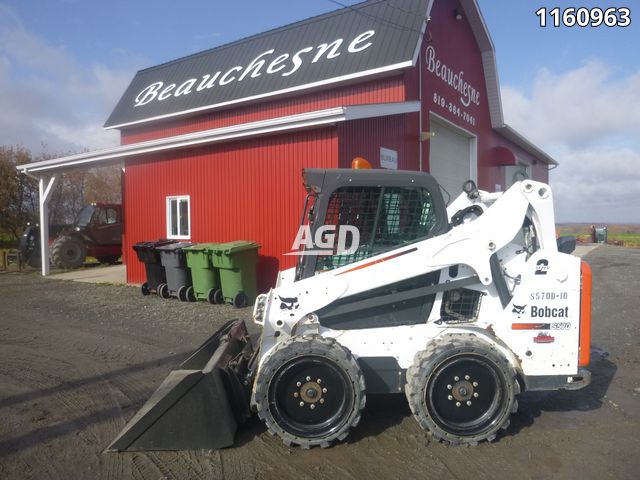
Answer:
x=363 y=138
x=455 y=46
x=248 y=190
x=379 y=91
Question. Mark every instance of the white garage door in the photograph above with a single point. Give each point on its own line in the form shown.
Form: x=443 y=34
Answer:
x=450 y=157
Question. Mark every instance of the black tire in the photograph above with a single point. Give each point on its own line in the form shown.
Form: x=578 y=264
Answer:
x=240 y=300
x=310 y=391
x=190 y=295
x=68 y=252
x=163 y=290
x=218 y=297
x=144 y=288
x=182 y=293
x=462 y=390
x=213 y=295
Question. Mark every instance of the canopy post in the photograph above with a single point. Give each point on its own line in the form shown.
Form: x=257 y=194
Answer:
x=45 y=185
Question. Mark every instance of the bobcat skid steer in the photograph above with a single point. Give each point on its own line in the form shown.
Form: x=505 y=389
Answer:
x=459 y=308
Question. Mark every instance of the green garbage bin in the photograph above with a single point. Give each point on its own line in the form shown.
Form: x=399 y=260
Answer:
x=601 y=234
x=205 y=278
x=237 y=264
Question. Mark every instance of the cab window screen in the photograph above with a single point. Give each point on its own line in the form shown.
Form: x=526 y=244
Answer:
x=386 y=218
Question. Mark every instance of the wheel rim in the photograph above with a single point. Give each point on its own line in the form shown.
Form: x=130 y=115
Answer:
x=310 y=397
x=464 y=395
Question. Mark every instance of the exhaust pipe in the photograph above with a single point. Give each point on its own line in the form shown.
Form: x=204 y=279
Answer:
x=200 y=404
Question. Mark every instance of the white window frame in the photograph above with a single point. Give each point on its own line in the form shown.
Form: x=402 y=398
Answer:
x=178 y=198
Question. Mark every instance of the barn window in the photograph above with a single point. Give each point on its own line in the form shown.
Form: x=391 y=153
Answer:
x=178 y=217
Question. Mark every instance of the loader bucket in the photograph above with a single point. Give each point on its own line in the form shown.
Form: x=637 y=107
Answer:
x=199 y=405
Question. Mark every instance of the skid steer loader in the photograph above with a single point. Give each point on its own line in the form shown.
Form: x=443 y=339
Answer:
x=459 y=308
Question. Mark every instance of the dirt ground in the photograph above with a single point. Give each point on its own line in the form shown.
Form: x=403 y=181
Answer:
x=77 y=360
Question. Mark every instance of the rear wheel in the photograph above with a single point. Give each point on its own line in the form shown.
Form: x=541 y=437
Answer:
x=218 y=297
x=190 y=295
x=213 y=295
x=68 y=252
x=182 y=293
x=163 y=290
x=462 y=390
x=240 y=300
x=310 y=391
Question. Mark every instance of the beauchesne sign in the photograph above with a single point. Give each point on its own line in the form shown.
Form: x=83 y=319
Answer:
x=268 y=62
x=455 y=79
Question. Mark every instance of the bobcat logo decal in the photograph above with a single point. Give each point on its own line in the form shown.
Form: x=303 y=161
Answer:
x=287 y=303
x=518 y=310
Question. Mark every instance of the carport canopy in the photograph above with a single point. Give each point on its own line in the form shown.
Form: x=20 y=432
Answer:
x=47 y=172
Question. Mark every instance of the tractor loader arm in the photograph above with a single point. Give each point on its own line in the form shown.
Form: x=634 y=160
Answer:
x=474 y=243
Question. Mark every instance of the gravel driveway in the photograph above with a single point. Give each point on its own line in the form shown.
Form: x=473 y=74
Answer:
x=77 y=360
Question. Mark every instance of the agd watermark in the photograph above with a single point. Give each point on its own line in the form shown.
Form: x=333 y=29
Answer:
x=327 y=240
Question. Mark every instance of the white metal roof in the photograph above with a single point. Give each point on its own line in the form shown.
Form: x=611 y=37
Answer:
x=300 y=121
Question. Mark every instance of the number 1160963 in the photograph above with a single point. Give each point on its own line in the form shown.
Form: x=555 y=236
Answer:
x=584 y=17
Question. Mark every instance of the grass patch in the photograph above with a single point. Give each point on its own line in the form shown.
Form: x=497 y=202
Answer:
x=8 y=241
x=627 y=234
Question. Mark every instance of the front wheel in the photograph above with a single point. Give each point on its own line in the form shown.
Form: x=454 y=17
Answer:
x=461 y=390
x=310 y=391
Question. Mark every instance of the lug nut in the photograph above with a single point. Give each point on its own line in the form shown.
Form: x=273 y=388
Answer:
x=312 y=406
x=324 y=390
x=449 y=397
x=467 y=377
x=295 y=394
x=456 y=378
x=322 y=400
x=468 y=403
x=449 y=387
x=458 y=404
x=475 y=384
x=319 y=381
x=308 y=379
x=298 y=384
x=475 y=394
x=302 y=404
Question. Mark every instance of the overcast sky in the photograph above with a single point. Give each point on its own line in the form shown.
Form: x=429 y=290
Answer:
x=575 y=92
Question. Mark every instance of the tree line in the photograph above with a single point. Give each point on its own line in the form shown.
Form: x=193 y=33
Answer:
x=74 y=190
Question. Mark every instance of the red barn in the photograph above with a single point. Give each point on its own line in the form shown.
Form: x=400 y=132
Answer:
x=213 y=144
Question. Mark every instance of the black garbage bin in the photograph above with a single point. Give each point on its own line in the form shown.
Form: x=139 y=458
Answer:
x=174 y=261
x=148 y=254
